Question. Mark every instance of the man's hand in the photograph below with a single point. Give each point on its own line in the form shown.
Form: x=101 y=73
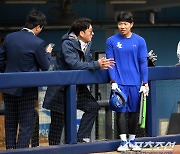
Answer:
x=106 y=63
x=144 y=89
x=49 y=48
x=114 y=86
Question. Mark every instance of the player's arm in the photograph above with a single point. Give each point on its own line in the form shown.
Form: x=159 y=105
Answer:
x=110 y=54
x=143 y=62
x=143 y=68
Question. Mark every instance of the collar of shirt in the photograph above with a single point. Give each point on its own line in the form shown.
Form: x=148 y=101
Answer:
x=29 y=30
x=83 y=46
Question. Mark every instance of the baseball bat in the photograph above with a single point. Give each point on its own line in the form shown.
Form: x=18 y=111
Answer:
x=141 y=109
x=143 y=123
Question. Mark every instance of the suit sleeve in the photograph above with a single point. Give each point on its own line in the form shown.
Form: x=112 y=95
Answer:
x=43 y=58
x=74 y=62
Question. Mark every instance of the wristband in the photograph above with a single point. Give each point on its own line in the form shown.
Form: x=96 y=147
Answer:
x=145 y=83
x=112 y=81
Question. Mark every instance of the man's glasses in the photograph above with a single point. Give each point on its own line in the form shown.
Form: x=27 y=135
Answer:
x=89 y=31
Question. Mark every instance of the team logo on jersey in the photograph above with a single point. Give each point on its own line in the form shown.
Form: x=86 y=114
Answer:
x=119 y=45
x=134 y=45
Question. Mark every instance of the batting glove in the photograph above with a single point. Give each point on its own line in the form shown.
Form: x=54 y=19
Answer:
x=114 y=86
x=144 y=89
x=152 y=56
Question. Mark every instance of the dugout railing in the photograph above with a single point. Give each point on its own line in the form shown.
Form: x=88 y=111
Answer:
x=71 y=79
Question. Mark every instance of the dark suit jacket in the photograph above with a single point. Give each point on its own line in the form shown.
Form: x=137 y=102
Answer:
x=22 y=51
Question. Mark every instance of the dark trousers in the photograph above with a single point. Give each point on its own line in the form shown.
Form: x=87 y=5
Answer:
x=19 y=111
x=86 y=103
x=35 y=132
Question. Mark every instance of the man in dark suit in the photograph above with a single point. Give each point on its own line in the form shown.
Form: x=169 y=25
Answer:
x=23 y=51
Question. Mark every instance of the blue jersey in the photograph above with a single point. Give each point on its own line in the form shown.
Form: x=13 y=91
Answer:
x=130 y=55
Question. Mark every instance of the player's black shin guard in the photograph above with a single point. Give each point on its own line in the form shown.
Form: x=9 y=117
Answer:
x=122 y=123
x=132 y=122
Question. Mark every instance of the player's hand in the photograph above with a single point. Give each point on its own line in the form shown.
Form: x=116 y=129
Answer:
x=144 y=89
x=106 y=63
x=114 y=86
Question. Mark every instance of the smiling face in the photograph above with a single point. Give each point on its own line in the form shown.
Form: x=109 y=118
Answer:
x=86 y=36
x=125 y=28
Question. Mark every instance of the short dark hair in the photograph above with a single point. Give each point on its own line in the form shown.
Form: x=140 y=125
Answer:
x=80 y=24
x=125 y=16
x=35 y=18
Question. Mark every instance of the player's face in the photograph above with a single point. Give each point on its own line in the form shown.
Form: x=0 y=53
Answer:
x=125 y=28
x=87 y=35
